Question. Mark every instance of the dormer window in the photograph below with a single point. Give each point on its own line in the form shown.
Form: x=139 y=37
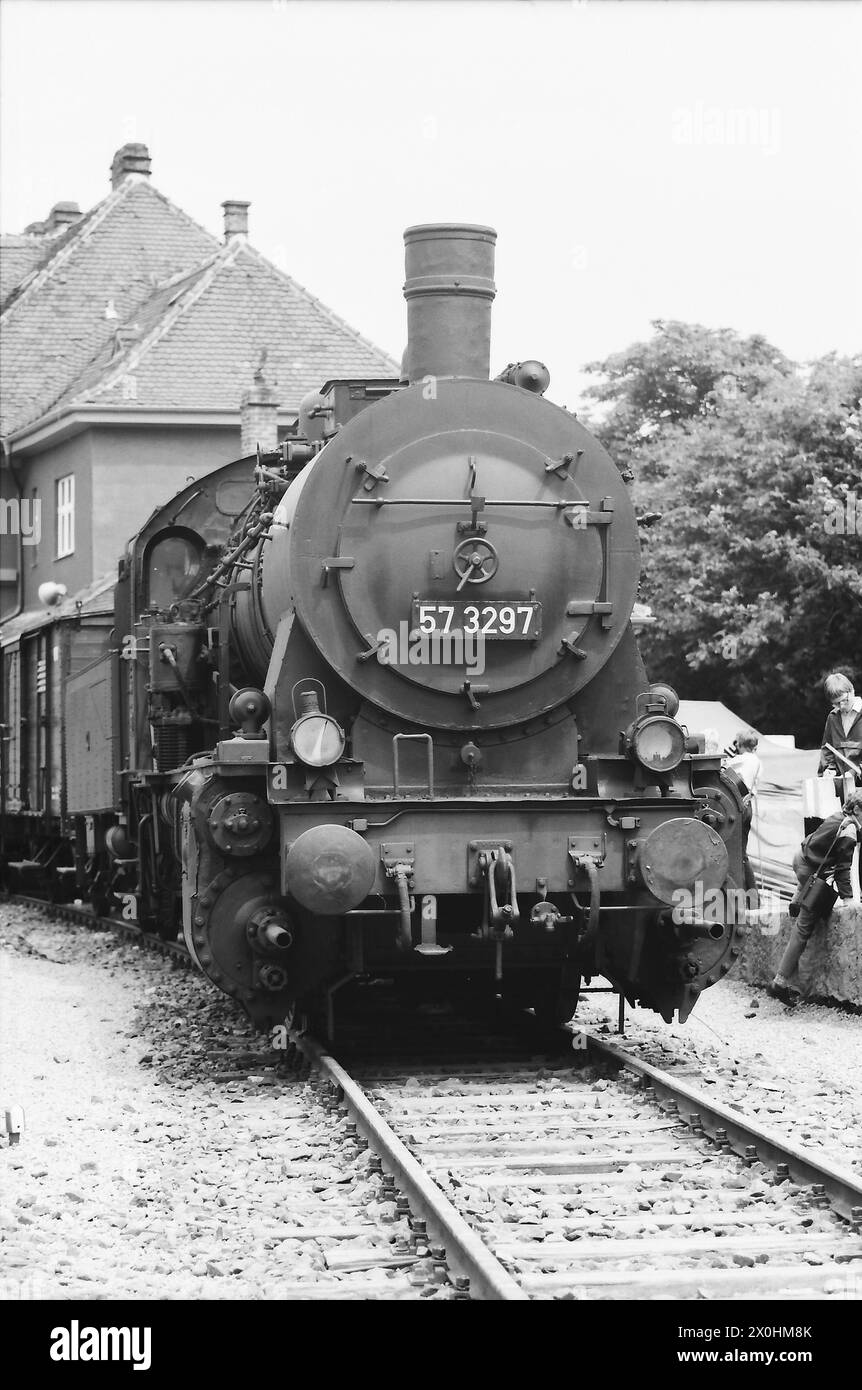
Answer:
x=124 y=337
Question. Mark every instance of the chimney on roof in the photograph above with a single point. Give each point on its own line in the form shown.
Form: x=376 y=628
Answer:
x=258 y=415
x=132 y=161
x=63 y=215
x=235 y=219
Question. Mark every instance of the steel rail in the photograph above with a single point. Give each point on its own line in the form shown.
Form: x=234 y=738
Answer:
x=70 y=912
x=722 y=1128
x=842 y=1187
x=466 y=1254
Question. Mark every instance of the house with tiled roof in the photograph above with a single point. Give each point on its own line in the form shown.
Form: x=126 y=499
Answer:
x=128 y=338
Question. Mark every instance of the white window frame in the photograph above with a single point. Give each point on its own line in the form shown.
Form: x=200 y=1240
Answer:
x=65 y=516
x=34 y=549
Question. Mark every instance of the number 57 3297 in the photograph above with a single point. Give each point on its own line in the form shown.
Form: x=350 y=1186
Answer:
x=495 y=620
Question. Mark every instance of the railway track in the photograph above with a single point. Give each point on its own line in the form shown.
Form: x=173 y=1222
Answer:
x=572 y=1174
x=229 y=1110
x=600 y=1178
x=81 y=913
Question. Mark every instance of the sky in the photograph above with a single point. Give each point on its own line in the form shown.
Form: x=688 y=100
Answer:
x=696 y=160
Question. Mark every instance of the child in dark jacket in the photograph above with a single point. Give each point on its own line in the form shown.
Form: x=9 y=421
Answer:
x=846 y=825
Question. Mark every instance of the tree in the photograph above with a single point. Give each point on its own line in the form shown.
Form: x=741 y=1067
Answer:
x=684 y=372
x=755 y=569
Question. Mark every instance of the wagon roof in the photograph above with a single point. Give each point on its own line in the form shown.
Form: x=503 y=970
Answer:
x=95 y=600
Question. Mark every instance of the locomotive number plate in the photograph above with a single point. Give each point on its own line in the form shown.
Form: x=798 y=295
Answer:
x=497 y=620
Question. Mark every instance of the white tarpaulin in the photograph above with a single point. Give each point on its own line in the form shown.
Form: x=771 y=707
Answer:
x=777 y=827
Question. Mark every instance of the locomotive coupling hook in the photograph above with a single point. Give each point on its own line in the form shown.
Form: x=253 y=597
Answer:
x=587 y=863
x=502 y=915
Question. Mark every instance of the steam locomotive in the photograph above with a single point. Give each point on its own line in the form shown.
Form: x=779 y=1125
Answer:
x=371 y=707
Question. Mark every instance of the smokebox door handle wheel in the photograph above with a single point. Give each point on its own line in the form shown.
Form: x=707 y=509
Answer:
x=475 y=561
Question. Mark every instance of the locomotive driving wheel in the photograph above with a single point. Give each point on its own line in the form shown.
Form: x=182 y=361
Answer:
x=158 y=903
x=557 y=998
x=99 y=888
x=101 y=901
x=167 y=911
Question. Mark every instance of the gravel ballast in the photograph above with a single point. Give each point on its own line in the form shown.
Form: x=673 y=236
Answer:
x=155 y=1162
x=797 y=1070
x=165 y=1156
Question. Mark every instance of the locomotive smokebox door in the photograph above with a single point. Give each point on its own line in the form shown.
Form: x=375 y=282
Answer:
x=462 y=542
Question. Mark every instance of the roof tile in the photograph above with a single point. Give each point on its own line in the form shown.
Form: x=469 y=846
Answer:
x=109 y=261
x=188 y=319
x=19 y=255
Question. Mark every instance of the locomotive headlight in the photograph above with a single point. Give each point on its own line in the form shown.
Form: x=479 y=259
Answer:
x=658 y=743
x=317 y=739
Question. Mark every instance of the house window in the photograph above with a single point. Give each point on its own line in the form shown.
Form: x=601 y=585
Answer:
x=65 y=515
x=36 y=527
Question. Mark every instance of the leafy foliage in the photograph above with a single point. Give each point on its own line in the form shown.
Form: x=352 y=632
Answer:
x=754 y=570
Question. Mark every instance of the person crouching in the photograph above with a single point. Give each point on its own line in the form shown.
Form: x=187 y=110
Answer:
x=829 y=848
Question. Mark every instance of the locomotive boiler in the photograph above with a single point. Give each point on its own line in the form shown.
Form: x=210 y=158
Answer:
x=378 y=713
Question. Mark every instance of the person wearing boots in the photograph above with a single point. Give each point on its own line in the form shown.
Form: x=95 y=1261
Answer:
x=813 y=853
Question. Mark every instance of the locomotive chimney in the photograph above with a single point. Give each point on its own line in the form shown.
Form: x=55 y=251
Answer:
x=449 y=290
